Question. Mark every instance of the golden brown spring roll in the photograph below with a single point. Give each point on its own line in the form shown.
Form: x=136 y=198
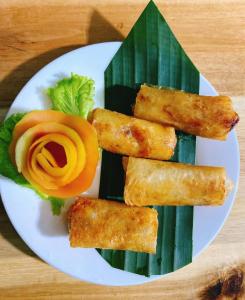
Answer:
x=127 y=135
x=106 y=224
x=206 y=116
x=151 y=182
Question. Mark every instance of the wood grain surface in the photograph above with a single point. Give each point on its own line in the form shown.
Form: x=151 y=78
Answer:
x=33 y=33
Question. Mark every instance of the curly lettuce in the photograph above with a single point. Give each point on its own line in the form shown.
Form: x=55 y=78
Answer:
x=7 y=169
x=73 y=95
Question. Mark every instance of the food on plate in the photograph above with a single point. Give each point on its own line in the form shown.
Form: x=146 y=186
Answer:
x=55 y=152
x=152 y=182
x=207 y=116
x=95 y=223
x=60 y=158
x=127 y=135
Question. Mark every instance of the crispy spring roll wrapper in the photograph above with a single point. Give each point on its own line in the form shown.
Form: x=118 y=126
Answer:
x=127 y=135
x=95 y=223
x=207 y=116
x=151 y=182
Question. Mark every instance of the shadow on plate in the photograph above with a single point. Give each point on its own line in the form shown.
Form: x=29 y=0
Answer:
x=11 y=85
x=50 y=225
x=7 y=232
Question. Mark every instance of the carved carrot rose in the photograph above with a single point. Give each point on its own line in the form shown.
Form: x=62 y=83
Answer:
x=57 y=153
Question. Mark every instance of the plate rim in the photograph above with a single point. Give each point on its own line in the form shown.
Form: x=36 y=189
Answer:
x=145 y=279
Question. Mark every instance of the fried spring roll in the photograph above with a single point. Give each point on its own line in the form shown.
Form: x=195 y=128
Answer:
x=206 y=116
x=106 y=224
x=126 y=135
x=151 y=182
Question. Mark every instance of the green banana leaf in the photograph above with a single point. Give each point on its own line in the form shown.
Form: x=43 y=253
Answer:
x=150 y=54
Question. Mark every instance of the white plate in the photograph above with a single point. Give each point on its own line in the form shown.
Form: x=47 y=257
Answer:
x=47 y=235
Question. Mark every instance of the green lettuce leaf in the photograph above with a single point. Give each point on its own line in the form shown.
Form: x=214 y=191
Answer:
x=56 y=203
x=8 y=169
x=73 y=95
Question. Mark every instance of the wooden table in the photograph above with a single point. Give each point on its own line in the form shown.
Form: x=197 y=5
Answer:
x=33 y=33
